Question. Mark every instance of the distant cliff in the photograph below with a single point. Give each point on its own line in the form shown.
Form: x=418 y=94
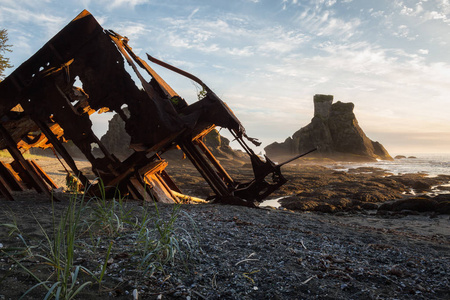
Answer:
x=334 y=131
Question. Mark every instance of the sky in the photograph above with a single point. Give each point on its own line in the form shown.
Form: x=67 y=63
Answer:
x=267 y=59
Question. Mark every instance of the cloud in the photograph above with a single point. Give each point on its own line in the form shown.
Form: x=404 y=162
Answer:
x=278 y=40
x=9 y=14
x=193 y=13
x=377 y=14
x=324 y=23
x=232 y=35
x=373 y=77
x=243 y=52
x=132 y=30
x=403 y=31
x=127 y=3
x=436 y=10
x=434 y=15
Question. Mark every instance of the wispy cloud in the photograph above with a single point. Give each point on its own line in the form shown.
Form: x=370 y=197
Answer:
x=127 y=3
x=26 y=24
x=132 y=30
x=232 y=35
x=9 y=14
x=322 y=22
x=193 y=13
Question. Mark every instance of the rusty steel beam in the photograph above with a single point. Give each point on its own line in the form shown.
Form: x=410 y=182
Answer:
x=40 y=106
x=11 y=178
x=33 y=177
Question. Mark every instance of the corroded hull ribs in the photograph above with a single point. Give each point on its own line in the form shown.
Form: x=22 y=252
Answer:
x=42 y=106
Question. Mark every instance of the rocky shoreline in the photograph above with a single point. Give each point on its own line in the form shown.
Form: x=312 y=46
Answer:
x=354 y=251
x=366 y=188
x=314 y=187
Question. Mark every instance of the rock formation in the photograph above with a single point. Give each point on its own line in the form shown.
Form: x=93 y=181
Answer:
x=117 y=141
x=220 y=146
x=334 y=131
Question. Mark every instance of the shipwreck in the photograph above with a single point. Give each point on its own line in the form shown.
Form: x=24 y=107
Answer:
x=41 y=106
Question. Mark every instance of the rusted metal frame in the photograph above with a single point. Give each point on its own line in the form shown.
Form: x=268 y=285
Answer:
x=152 y=167
x=31 y=141
x=242 y=143
x=157 y=189
x=163 y=108
x=126 y=168
x=105 y=151
x=143 y=64
x=122 y=181
x=74 y=110
x=144 y=83
x=44 y=175
x=207 y=172
x=137 y=187
x=169 y=182
x=68 y=102
x=62 y=151
x=11 y=177
x=225 y=176
x=165 y=185
x=133 y=191
x=5 y=189
x=136 y=161
x=117 y=180
x=36 y=181
x=137 y=184
x=154 y=184
x=151 y=171
x=24 y=176
x=179 y=71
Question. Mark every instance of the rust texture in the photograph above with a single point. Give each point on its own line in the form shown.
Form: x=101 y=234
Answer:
x=40 y=106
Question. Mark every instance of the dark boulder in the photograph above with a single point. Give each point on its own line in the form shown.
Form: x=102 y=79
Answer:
x=418 y=204
x=443 y=207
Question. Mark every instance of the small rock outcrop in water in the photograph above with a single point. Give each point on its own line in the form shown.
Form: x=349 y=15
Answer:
x=334 y=131
x=400 y=157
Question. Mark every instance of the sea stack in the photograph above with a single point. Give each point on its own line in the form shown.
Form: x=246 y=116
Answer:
x=334 y=131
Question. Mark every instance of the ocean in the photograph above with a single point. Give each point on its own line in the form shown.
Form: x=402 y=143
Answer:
x=432 y=164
